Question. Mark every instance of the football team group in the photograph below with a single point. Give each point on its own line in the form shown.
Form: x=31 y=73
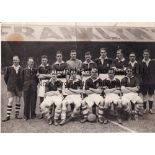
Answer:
x=97 y=90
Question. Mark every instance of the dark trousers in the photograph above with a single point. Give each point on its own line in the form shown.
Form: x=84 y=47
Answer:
x=30 y=98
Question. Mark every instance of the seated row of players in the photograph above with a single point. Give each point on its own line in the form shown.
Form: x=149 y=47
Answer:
x=143 y=71
x=108 y=94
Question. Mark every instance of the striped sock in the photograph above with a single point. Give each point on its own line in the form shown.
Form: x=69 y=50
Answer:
x=9 y=109
x=85 y=111
x=100 y=111
x=17 y=110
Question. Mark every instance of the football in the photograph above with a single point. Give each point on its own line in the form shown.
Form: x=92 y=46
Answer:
x=92 y=117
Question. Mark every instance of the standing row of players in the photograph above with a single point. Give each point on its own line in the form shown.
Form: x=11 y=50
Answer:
x=136 y=77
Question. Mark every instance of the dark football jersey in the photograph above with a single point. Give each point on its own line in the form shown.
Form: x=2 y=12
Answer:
x=147 y=72
x=130 y=82
x=54 y=86
x=120 y=65
x=104 y=66
x=61 y=69
x=87 y=67
x=115 y=83
x=44 y=70
x=134 y=66
x=90 y=83
x=77 y=84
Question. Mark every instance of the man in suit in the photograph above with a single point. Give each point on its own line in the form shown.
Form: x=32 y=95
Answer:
x=30 y=82
x=13 y=81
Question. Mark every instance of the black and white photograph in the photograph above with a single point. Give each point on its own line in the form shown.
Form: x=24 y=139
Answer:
x=77 y=77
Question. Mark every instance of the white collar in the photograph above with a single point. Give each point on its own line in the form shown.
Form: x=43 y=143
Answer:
x=16 y=66
x=44 y=66
x=103 y=58
x=85 y=62
x=133 y=62
x=123 y=59
x=146 y=61
x=129 y=77
x=58 y=62
x=95 y=79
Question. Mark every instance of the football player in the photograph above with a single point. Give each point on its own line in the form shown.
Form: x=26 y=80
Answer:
x=87 y=65
x=112 y=89
x=130 y=87
x=60 y=67
x=134 y=65
x=12 y=78
x=119 y=64
x=103 y=63
x=53 y=97
x=44 y=71
x=74 y=63
x=147 y=72
x=93 y=88
x=73 y=90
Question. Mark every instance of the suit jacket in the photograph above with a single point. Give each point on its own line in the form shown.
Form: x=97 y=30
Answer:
x=12 y=79
x=29 y=78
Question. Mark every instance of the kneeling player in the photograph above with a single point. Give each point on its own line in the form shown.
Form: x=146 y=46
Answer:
x=53 y=97
x=130 y=87
x=112 y=100
x=73 y=90
x=93 y=87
